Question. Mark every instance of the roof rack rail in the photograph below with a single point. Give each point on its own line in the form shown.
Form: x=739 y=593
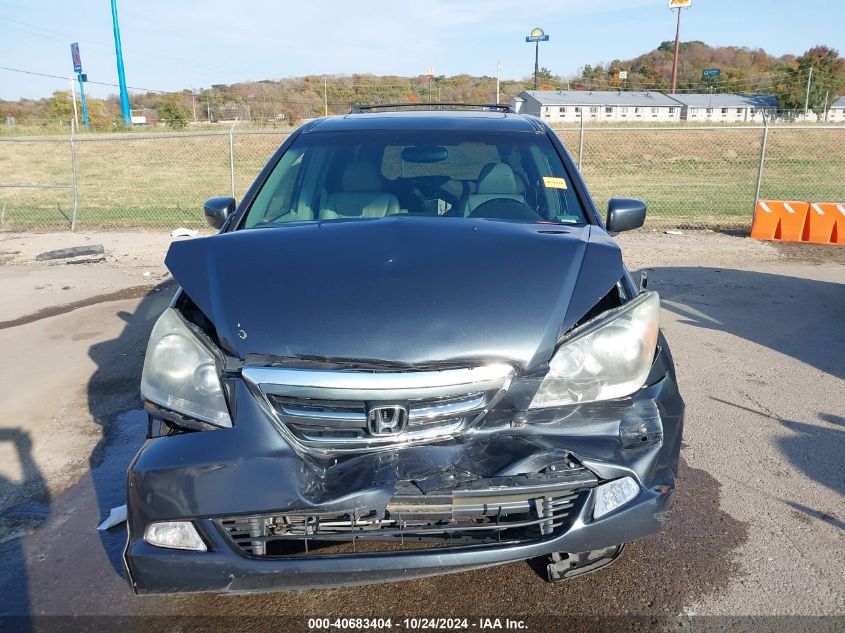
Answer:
x=497 y=107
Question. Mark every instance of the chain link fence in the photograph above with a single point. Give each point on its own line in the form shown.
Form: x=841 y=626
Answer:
x=691 y=177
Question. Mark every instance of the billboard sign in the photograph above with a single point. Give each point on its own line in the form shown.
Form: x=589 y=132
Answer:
x=623 y=74
x=680 y=4
x=77 y=59
x=537 y=35
x=711 y=72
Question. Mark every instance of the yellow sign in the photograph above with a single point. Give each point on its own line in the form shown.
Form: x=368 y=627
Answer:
x=679 y=4
x=553 y=182
x=537 y=32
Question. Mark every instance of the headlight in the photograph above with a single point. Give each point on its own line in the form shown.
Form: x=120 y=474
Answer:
x=180 y=373
x=611 y=358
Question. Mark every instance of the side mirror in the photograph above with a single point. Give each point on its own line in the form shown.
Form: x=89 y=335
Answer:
x=624 y=214
x=217 y=210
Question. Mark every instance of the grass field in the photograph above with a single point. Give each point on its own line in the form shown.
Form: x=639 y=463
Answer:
x=689 y=177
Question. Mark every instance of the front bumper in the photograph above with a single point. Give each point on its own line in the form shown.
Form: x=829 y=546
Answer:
x=250 y=469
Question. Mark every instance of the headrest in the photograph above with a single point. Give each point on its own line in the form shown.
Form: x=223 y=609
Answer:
x=496 y=178
x=361 y=176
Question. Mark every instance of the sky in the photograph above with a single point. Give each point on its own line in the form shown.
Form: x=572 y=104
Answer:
x=172 y=45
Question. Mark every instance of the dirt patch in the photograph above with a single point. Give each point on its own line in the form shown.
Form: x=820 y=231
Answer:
x=812 y=253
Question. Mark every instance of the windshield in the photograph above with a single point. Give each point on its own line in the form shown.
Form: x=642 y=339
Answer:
x=438 y=173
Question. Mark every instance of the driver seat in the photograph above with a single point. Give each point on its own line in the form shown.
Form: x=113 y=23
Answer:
x=496 y=180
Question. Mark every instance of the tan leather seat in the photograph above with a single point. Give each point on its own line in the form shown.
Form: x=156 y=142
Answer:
x=360 y=196
x=496 y=180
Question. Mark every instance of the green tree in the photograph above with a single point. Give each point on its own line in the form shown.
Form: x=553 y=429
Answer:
x=827 y=78
x=60 y=107
x=172 y=110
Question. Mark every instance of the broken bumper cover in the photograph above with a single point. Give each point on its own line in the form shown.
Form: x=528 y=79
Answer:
x=218 y=478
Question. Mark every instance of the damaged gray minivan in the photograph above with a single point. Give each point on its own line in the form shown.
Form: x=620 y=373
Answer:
x=412 y=349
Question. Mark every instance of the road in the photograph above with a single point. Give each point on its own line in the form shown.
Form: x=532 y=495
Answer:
x=758 y=334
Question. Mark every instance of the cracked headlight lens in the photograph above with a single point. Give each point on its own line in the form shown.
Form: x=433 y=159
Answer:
x=610 y=358
x=180 y=373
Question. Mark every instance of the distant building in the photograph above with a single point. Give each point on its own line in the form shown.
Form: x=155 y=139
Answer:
x=836 y=112
x=597 y=105
x=726 y=108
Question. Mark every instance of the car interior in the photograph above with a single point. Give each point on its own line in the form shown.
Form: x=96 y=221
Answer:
x=370 y=180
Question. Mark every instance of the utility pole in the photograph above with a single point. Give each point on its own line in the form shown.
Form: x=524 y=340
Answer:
x=824 y=109
x=807 y=97
x=73 y=98
x=498 y=70
x=430 y=74
x=194 y=104
x=121 y=77
x=677 y=50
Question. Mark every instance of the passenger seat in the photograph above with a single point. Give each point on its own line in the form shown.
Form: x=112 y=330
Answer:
x=361 y=195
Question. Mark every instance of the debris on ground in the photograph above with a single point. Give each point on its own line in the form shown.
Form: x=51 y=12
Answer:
x=82 y=259
x=73 y=251
x=183 y=232
x=115 y=517
x=673 y=232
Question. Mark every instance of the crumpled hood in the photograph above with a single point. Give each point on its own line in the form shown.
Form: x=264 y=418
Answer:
x=399 y=290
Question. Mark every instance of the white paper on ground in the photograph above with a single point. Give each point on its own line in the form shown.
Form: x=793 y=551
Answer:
x=116 y=517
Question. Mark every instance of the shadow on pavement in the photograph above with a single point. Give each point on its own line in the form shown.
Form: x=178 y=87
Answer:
x=795 y=316
x=115 y=404
x=802 y=318
x=31 y=510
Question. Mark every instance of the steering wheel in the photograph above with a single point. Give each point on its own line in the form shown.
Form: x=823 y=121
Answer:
x=505 y=209
x=430 y=187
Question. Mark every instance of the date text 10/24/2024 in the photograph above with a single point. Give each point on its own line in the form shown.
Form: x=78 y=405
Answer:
x=417 y=624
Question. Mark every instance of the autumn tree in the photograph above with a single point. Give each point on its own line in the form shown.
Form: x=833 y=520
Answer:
x=60 y=107
x=827 y=78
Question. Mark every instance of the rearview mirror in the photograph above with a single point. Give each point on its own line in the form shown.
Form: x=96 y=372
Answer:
x=624 y=214
x=217 y=210
x=418 y=154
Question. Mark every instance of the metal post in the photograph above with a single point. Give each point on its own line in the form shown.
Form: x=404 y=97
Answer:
x=73 y=181
x=762 y=159
x=326 y=95
x=121 y=77
x=536 y=62
x=581 y=140
x=82 y=98
x=677 y=50
x=73 y=99
x=232 y=157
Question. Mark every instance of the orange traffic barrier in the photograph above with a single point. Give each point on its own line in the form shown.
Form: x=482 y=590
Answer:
x=779 y=220
x=825 y=223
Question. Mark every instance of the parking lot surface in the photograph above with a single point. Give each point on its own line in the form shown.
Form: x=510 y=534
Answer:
x=758 y=335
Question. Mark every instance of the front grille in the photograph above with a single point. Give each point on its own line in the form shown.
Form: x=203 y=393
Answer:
x=332 y=410
x=320 y=420
x=483 y=512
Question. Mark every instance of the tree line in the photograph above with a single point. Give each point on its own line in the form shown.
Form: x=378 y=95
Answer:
x=289 y=100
